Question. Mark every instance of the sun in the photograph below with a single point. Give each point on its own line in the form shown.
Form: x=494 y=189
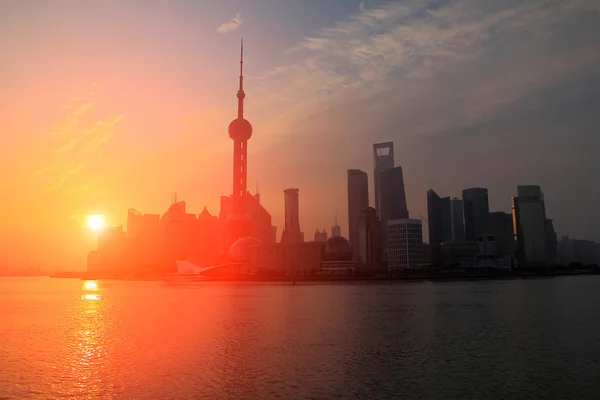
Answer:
x=95 y=222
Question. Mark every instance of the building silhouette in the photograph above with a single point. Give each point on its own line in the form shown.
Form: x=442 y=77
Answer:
x=475 y=210
x=336 y=229
x=500 y=225
x=452 y=219
x=434 y=221
x=238 y=223
x=320 y=236
x=358 y=200
x=383 y=158
x=529 y=222
x=405 y=244
x=291 y=231
x=551 y=243
x=392 y=199
x=369 y=246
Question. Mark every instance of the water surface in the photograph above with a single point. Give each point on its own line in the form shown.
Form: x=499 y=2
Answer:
x=65 y=338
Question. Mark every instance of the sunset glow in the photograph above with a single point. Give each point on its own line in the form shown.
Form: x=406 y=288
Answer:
x=129 y=110
x=95 y=222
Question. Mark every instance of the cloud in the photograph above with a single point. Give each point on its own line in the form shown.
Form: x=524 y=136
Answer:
x=72 y=146
x=462 y=87
x=406 y=45
x=232 y=25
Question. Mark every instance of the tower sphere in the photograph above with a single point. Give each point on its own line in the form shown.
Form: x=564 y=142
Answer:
x=240 y=129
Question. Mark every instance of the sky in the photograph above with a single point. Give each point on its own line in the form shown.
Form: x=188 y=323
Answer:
x=110 y=105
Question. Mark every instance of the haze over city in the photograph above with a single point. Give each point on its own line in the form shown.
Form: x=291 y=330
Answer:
x=118 y=104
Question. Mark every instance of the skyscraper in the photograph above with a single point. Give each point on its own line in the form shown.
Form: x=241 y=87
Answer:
x=336 y=229
x=392 y=200
x=383 y=158
x=358 y=200
x=240 y=130
x=291 y=231
x=452 y=220
x=475 y=209
x=529 y=221
x=392 y=197
x=405 y=244
x=369 y=240
x=434 y=216
x=500 y=225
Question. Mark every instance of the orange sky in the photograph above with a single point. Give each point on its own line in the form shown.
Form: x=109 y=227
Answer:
x=113 y=105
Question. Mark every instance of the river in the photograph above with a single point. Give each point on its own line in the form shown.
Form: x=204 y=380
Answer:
x=509 y=339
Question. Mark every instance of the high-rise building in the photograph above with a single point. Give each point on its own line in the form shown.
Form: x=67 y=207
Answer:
x=336 y=229
x=500 y=225
x=358 y=200
x=405 y=244
x=291 y=231
x=320 y=236
x=392 y=199
x=566 y=254
x=369 y=240
x=452 y=219
x=551 y=243
x=529 y=222
x=475 y=209
x=240 y=131
x=383 y=157
x=435 y=224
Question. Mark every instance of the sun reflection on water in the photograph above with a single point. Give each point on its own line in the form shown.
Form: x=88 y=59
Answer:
x=89 y=337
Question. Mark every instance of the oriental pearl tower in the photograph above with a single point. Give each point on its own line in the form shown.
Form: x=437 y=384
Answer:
x=239 y=222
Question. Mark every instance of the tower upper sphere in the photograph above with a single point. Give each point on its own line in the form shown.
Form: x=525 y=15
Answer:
x=240 y=128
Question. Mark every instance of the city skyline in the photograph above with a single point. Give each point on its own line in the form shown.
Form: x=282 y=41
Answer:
x=157 y=110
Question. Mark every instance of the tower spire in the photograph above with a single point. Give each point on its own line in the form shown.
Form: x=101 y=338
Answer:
x=241 y=95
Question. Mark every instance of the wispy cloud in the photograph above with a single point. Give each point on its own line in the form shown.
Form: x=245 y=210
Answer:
x=73 y=144
x=407 y=44
x=231 y=25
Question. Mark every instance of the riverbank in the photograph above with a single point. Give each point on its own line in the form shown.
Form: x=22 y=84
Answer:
x=433 y=276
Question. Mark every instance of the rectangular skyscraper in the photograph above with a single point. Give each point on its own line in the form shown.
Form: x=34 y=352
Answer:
x=383 y=158
x=453 y=229
x=405 y=244
x=392 y=199
x=500 y=225
x=529 y=221
x=476 y=209
x=358 y=200
x=291 y=231
x=434 y=216
x=392 y=195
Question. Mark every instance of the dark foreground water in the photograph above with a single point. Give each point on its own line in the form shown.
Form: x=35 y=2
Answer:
x=65 y=338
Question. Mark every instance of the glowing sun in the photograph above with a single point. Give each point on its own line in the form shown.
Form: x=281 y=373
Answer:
x=95 y=222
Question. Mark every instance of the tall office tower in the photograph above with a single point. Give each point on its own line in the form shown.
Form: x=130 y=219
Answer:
x=565 y=250
x=392 y=200
x=529 y=223
x=435 y=224
x=392 y=195
x=405 y=244
x=476 y=209
x=320 y=236
x=369 y=240
x=500 y=225
x=336 y=229
x=358 y=200
x=453 y=229
x=383 y=156
x=291 y=231
x=551 y=243
x=239 y=223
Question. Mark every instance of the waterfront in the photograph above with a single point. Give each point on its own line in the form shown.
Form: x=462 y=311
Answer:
x=535 y=338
